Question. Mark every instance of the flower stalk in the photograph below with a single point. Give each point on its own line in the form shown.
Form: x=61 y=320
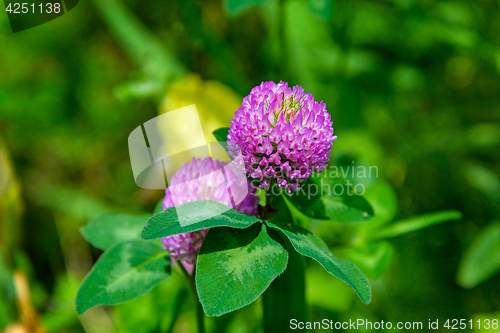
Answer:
x=200 y=315
x=285 y=298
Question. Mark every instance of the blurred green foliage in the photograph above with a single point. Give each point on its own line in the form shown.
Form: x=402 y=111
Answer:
x=413 y=88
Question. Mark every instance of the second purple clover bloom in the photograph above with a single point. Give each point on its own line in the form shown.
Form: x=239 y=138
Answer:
x=202 y=179
x=282 y=133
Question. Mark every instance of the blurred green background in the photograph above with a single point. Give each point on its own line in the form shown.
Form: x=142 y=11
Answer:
x=413 y=88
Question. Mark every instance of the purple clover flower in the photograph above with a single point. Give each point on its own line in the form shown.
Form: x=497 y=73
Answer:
x=197 y=180
x=282 y=134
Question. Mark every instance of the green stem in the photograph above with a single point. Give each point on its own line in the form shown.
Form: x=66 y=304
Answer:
x=285 y=298
x=200 y=315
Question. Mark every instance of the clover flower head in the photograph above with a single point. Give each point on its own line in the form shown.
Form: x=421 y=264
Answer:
x=202 y=179
x=282 y=134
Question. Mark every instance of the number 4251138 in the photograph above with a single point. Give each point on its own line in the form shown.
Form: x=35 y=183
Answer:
x=461 y=324
x=24 y=8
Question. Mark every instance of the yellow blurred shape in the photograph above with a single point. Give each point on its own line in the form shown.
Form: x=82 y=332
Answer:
x=15 y=328
x=180 y=131
x=215 y=102
x=27 y=313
